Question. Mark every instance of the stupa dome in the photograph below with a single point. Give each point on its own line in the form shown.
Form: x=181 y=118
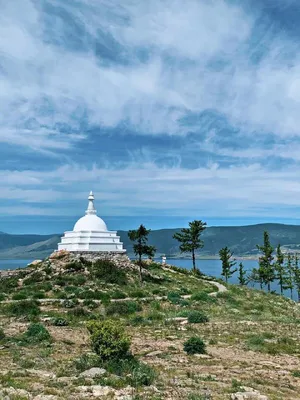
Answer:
x=90 y=234
x=90 y=223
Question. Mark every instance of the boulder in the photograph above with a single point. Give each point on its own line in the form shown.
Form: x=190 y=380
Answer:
x=93 y=372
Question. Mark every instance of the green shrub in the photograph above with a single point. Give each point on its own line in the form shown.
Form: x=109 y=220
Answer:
x=36 y=333
x=39 y=295
x=202 y=296
x=107 y=270
x=142 y=375
x=9 y=283
x=77 y=280
x=74 y=266
x=118 y=294
x=28 y=308
x=2 y=334
x=139 y=320
x=20 y=296
x=87 y=361
x=174 y=297
x=69 y=303
x=91 y=304
x=60 y=322
x=138 y=294
x=108 y=339
x=123 y=308
x=136 y=372
x=197 y=317
x=296 y=373
x=2 y=296
x=194 y=345
x=78 y=312
x=33 y=278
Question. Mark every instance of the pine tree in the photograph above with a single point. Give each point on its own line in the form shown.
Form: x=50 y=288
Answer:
x=266 y=268
x=243 y=280
x=289 y=280
x=280 y=269
x=227 y=264
x=256 y=277
x=296 y=270
x=190 y=239
x=140 y=246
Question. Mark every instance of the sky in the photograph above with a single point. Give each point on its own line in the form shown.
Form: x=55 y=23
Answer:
x=167 y=112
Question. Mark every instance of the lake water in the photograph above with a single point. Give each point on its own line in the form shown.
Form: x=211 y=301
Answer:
x=208 y=267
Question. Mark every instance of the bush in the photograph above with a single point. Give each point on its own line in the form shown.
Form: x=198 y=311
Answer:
x=118 y=295
x=36 y=333
x=91 y=304
x=60 y=322
x=197 y=317
x=69 y=303
x=174 y=297
x=136 y=372
x=33 y=278
x=20 y=296
x=2 y=334
x=87 y=361
x=202 y=296
x=138 y=294
x=39 y=295
x=123 y=308
x=78 y=312
x=23 y=308
x=142 y=375
x=108 y=339
x=74 y=266
x=109 y=272
x=194 y=345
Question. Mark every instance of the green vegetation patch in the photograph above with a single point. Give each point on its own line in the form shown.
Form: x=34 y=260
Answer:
x=107 y=271
x=194 y=345
x=123 y=308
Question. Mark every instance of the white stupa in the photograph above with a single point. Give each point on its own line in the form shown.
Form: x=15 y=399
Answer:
x=90 y=234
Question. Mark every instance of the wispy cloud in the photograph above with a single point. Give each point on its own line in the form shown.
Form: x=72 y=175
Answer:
x=213 y=73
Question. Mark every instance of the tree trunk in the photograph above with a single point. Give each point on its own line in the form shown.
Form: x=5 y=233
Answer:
x=281 y=289
x=292 y=294
x=194 y=261
x=298 y=296
x=140 y=268
x=269 y=287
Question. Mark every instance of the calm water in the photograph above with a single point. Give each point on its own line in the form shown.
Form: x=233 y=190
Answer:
x=208 y=267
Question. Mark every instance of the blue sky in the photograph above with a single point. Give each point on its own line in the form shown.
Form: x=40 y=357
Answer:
x=167 y=113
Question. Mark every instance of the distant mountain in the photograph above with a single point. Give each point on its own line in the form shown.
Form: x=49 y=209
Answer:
x=242 y=240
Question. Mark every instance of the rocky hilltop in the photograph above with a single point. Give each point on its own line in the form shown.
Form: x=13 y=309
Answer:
x=176 y=335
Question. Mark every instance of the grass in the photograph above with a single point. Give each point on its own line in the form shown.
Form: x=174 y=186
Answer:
x=240 y=321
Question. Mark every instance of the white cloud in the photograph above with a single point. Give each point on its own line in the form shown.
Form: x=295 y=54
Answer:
x=211 y=191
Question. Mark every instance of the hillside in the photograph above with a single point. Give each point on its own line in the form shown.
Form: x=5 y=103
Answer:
x=241 y=239
x=247 y=340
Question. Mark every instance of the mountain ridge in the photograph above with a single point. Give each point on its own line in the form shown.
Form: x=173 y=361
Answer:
x=242 y=240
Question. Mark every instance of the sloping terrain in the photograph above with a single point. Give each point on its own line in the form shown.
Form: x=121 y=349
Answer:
x=251 y=337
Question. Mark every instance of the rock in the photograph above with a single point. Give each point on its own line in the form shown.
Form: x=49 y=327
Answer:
x=177 y=319
x=93 y=372
x=154 y=353
x=96 y=390
x=248 y=394
x=43 y=374
x=15 y=393
x=46 y=397
x=35 y=262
